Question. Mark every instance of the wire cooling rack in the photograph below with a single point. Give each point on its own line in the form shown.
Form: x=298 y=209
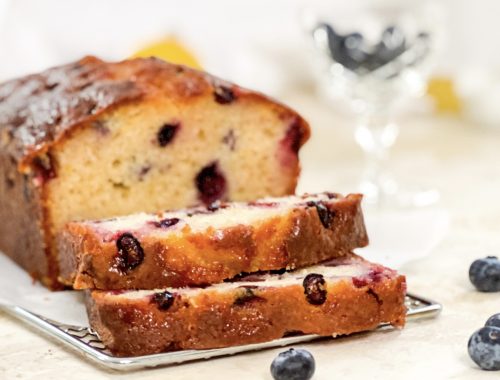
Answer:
x=86 y=341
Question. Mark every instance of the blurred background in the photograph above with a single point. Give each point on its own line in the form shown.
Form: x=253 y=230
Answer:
x=269 y=46
x=258 y=43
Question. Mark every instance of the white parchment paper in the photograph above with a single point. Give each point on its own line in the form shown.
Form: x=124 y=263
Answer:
x=17 y=288
x=395 y=239
x=398 y=237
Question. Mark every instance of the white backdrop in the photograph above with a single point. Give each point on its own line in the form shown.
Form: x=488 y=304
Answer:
x=253 y=42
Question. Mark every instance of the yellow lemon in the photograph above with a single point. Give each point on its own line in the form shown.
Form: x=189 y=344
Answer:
x=442 y=90
x=169 y=49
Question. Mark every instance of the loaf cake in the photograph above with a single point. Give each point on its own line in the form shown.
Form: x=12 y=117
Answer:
x=93 y=139
x=341 y=296
x=205 y=245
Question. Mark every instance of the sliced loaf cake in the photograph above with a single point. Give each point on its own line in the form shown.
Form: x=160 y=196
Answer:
x=340 y=296
x=206 y=245
x=93 y=139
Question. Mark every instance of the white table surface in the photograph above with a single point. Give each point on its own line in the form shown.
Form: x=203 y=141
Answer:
x=462 y=161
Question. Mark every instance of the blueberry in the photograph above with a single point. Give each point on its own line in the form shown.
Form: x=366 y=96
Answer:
x=314 y=288
x=293 y=365
x=130 y=252
x=493 y=321
x=325 y=215
x=485 y=274
x=224 y=95
x=166 y=134
x=163 y=300
x=165 y=223
x=484 y=348
x=211 y=183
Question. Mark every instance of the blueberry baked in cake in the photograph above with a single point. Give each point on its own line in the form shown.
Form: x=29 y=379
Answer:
x=337 y=297
x=93 y=139
x=206 y=245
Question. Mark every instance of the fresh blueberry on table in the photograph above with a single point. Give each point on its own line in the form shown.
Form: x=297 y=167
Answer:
x=485 y=274
x=484 y=348
x=293 y=365
x=493 y=321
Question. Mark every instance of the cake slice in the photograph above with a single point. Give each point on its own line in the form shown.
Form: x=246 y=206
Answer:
x=206 y=245
x=341 y=296
x=94 y=139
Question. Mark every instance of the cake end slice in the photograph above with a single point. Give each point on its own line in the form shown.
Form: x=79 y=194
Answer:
x=338 y=297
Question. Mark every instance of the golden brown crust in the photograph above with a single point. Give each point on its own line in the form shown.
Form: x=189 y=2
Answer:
x=40 y=112
x=296 y=240
x=130 y=327
x=37 y=110
x=20 y=209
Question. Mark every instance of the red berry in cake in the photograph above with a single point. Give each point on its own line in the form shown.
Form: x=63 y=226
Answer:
x=165 y=223
x=130 y=252
x=163 y=300
x=166 y=133
x=293 y=365
x=44 y=168
x=325 y=215
x=293 y=137
x=314 y=288
x=373 y=276
x=359 y=282
x=224 y=95
x=211 y=184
